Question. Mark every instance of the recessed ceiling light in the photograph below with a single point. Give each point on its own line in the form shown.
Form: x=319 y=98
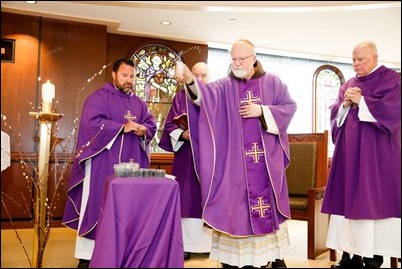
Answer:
x=233 y=20
x=166 y=22
x=30 y=2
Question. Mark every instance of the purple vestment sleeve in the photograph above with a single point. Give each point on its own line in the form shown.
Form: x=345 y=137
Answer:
x=102 y=120
x=183 y=164
x=221 y=139
x=365 y=176
x=178 y=107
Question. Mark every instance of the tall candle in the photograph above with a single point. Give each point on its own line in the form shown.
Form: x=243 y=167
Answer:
x=48 y=91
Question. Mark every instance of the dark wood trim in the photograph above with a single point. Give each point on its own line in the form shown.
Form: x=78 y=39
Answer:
x=162 y=158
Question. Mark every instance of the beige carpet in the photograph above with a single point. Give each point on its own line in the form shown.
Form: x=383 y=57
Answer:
x=59 y=251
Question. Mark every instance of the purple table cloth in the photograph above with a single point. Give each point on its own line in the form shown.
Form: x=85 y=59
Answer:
x=139 y=225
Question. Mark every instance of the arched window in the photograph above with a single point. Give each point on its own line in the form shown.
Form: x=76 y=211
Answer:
x=327 y=80
x=155 y=82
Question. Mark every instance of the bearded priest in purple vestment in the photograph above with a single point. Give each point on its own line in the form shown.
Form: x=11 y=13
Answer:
x=238 y=128
x=116 y=126
x=363 y=193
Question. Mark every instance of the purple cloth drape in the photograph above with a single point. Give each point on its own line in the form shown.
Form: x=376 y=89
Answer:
x=139 y=225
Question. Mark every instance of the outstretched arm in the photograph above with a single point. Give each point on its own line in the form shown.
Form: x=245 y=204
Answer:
x=183 y=73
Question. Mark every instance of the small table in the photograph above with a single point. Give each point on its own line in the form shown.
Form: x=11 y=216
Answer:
x=139 y=224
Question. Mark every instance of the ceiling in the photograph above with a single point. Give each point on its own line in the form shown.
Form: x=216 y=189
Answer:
x=314 y=29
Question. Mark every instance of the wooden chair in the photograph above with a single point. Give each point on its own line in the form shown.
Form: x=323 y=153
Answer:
x=307 y=178
x=394 y=262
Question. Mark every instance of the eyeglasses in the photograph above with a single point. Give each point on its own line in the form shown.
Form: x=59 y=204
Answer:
x=200 y=75
x=241 y=59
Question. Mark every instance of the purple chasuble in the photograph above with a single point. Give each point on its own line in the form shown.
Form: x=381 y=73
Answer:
x=365 y=177
x=104 y=113
x=240 y=165
x=183 y=165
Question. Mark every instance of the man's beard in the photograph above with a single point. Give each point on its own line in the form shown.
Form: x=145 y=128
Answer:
x=239 y=72
x=126 y=88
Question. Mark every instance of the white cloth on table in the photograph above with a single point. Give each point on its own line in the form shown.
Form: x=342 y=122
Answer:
x=5 y=151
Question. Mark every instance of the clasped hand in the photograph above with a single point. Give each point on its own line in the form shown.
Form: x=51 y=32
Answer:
x=138 y=129
x=250 y=111
x=352 y=96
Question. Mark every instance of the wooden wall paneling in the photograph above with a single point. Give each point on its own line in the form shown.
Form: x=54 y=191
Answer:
x=71 y=54
x=16 y=191
x=18 y=98
x=19 y=79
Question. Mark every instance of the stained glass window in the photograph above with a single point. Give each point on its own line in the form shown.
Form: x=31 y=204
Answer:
x=327 y=81
x=155 y=82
